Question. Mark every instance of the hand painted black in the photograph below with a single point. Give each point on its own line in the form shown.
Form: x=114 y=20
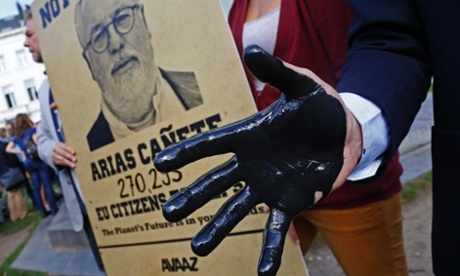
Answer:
x=285 y=154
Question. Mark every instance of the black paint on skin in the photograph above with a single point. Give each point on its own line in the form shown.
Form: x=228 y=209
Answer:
x=284 y=154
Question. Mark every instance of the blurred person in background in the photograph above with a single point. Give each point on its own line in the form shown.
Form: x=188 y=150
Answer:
x=9 y=128
x=16 y=200
x=38 y=170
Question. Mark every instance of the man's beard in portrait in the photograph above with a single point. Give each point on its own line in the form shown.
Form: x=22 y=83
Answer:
x=129 y=96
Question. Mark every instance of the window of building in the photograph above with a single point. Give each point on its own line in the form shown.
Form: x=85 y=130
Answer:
x=2 y=64
x=31 y=89
x=9 y=96
x=21 y=55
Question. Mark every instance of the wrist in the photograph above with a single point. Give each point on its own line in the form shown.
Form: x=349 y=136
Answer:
x=354 y=140
x=352 y=151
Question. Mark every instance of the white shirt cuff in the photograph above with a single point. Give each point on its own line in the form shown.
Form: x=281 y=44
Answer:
x=376 y=136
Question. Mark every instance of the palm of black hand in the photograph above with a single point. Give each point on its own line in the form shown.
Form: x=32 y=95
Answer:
x=286 y=168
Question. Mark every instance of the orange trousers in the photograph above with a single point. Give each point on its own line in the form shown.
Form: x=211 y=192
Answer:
x=366 y=240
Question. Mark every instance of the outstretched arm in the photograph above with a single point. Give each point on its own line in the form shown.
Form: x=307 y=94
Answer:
x=290 y=156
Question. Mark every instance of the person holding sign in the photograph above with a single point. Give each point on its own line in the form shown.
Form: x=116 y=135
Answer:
x=290 y=155
x=136 y=93
x=53 y=150
x=313 y=34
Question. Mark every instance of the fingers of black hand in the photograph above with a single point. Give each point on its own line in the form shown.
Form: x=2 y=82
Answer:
x=272 y=71
x=273 y=243
x=262 y=65
x=228 y=216
x=213 y=142
x=201 y=191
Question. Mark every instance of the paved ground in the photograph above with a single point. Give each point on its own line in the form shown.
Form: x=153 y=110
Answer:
x=9 y=243
x=38 y=255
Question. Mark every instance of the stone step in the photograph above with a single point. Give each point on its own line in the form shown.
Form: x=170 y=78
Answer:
x=61 y=234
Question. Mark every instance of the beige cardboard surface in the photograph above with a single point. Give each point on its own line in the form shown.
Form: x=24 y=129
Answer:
x=123 y=192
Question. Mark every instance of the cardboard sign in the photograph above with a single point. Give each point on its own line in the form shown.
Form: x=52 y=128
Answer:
x=130 y=78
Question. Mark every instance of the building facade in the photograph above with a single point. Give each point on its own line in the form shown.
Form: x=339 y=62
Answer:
x=20 y=76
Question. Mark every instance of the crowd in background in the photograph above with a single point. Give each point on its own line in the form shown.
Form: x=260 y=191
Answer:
x=38 y=178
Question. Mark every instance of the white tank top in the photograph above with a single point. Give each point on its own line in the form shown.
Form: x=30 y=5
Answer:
x=263 y=32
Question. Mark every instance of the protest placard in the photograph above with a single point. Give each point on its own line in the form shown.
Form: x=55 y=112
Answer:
x=131 y=77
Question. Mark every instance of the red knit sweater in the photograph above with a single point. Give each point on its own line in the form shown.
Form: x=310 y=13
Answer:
x=313 y=34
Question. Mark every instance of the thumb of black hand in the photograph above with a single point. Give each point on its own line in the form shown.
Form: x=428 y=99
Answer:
x=272 y=71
